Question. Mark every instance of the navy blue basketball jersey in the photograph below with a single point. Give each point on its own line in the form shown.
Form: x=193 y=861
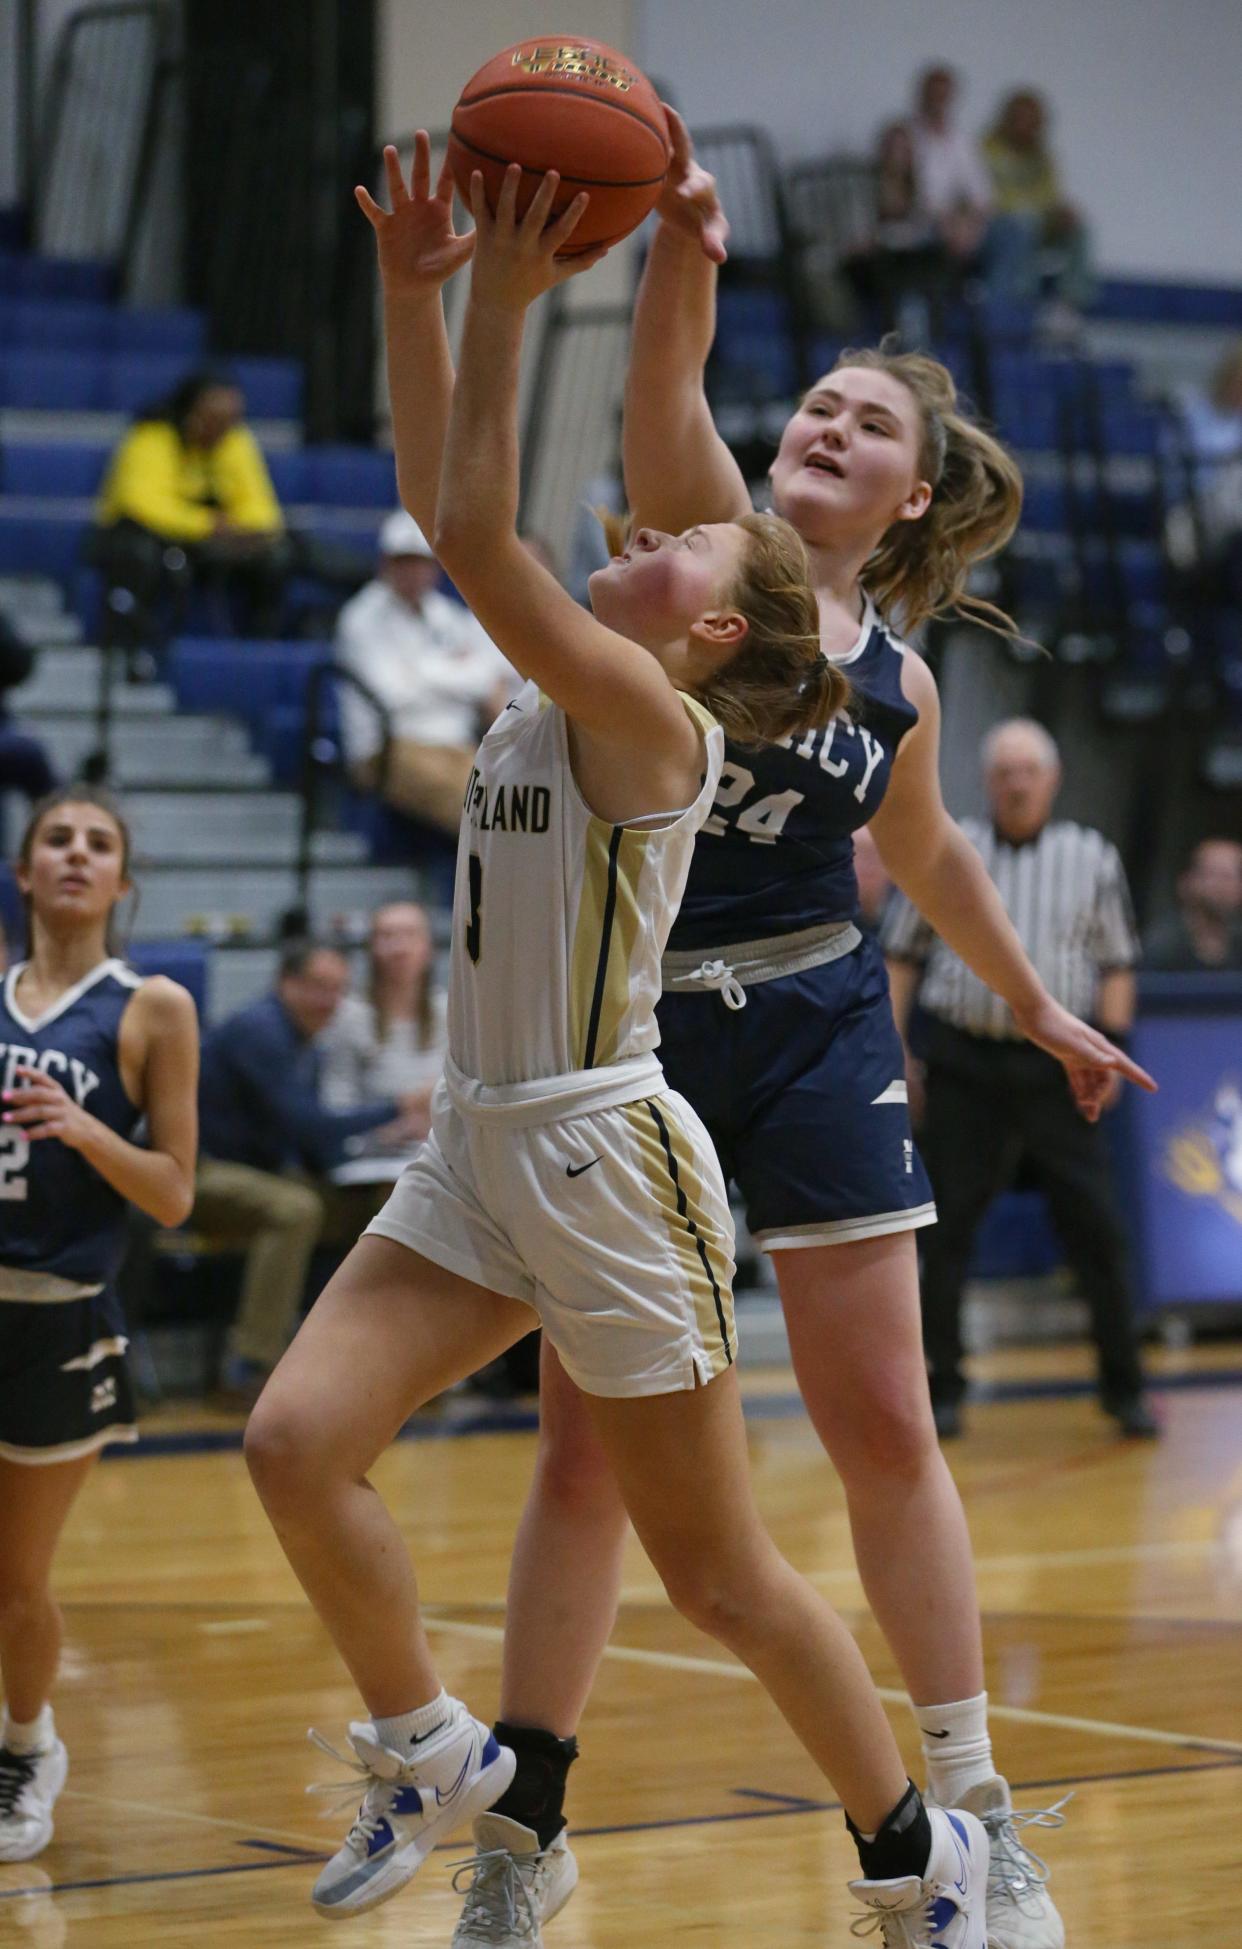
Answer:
x=777 y=852
x=56 y=1213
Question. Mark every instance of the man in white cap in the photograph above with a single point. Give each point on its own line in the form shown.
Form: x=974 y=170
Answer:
x=440 y=677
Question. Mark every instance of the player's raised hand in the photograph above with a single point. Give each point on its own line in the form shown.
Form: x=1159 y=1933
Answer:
x=419 y=249
x=1093 y=1065
x=516 y=257
x=689 y=200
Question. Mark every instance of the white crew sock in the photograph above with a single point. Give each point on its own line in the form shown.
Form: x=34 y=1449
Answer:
x=37 y=1737
x=404 y=1729
x=956 y=1746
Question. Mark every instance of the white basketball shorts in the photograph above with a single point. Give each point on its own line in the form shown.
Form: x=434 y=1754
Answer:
x=613 y=1224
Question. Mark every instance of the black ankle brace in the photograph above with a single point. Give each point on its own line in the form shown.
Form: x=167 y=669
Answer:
x=537 y=1796
x=903 y=1844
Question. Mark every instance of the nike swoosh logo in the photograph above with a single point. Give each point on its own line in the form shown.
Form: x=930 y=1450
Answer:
x=938 y=1735
x=576 y=1170
x=444 y=1798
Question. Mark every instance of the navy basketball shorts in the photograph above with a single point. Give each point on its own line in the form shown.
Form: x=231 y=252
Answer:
x=65 y=1389
x=803 y=1093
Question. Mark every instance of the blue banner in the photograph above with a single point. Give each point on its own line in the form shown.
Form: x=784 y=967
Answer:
x=1186 y=1156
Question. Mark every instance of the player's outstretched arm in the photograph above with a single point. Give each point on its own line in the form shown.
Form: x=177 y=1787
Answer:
x=666 y=410
x=418 y=251
x=615 y=691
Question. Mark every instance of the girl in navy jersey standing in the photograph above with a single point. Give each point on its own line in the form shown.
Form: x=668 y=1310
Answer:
x=89 y=1049
x=776 y=1024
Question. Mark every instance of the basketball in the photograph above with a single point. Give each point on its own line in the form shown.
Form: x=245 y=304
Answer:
x=574 y=106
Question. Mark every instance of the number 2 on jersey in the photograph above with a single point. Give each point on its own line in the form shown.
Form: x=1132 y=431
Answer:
x=474 y=926
x=14 y=1157
x=764 y=821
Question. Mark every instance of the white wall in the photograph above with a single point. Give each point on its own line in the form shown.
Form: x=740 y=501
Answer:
x=1147 y=96
x=429 y=50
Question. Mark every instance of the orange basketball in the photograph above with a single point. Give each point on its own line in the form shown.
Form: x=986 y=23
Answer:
x=575 y=106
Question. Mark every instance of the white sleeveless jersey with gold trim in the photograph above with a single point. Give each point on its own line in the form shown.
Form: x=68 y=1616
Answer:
x=559 y=918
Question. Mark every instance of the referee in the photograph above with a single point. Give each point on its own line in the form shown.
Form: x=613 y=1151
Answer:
x=993 y=1099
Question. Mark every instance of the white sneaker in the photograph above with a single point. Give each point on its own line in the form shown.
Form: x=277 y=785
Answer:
x=412 y=1802
x=29 y=1784
x=515 y=1888
x=944 y=1908
x=1021 y=1914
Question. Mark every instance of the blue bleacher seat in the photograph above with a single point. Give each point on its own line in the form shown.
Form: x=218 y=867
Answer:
x=40 y=544
x=351 y=477
x=273 y=387
x=174 y=330
x=131 y=383
x=52 y=381
x=45 y=325
x=291 y=476
x=26 y=276
x=247 y=677
x=1155 y=301
x=52 y=467
x=183 y=961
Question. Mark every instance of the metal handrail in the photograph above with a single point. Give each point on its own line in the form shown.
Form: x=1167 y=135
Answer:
x=312 y=767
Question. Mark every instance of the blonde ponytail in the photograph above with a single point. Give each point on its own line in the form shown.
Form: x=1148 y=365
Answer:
x=780 y=681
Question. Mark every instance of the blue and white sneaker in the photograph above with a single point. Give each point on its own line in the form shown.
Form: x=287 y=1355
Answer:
x=413 y=1801
x=1021 y=1912
x=945 y=1907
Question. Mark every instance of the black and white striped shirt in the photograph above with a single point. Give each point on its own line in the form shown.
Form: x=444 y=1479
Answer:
x=1065 y=892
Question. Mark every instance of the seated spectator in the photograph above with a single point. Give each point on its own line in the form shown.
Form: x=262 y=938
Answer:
x=1206 y=930
x=1037 y=242
x=187 y=500
x=265 y=1134
x=903 y=254
x=391 y=1041
x=953 y=184
x=426 y=659
x=24 y=764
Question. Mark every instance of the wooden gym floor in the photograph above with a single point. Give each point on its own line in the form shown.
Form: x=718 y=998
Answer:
x=1111 y=1583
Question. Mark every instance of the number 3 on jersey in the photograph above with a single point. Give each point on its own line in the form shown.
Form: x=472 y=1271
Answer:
x=764 y=821
x=474 y=926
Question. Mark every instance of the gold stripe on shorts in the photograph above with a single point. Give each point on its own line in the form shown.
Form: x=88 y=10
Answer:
x=604 y=940
x=671 y=1170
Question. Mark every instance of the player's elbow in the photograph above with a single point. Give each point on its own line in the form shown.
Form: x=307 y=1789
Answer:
x=457 y=537
x=175 y=1203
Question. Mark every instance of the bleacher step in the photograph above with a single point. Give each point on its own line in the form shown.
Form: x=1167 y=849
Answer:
x=215 y=900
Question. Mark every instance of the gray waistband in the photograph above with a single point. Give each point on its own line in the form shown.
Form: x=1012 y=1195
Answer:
x=26 y=1288
x=749 y=962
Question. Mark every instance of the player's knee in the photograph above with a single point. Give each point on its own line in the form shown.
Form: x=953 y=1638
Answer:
x=707 y=1593
x=893 y=1439
x=280 y=1448
x=23 y=1603
x=574 y=1473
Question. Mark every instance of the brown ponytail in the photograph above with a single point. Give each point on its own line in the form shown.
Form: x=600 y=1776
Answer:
x=920 y=568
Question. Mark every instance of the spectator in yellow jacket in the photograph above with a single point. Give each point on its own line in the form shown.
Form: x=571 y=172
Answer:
x=1037 y=242
x=188 y=499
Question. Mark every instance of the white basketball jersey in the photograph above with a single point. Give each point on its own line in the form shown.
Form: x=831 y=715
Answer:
x=559 y=918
